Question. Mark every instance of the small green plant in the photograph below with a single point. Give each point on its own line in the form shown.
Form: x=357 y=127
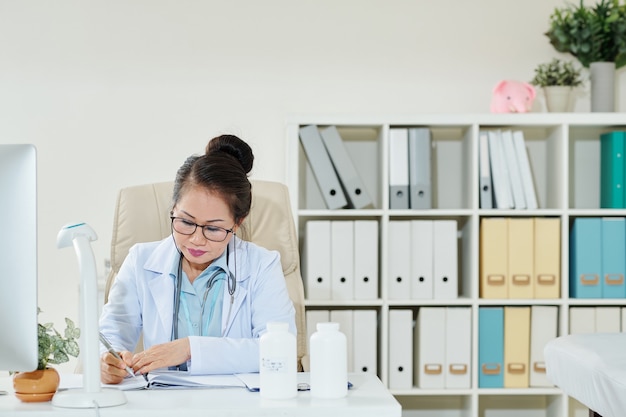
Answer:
x=55 y=348
x=591 y=33
x=557 y=73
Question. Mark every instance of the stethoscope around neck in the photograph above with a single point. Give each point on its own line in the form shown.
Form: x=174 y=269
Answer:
x=232 y=284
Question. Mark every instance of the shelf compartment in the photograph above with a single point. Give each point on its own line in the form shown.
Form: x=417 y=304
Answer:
x=423 y=404
x=363 y=144
x=526 y=405
x=584 y=164
x=544 y=147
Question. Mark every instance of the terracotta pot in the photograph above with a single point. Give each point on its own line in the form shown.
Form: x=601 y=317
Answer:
x=36 y=386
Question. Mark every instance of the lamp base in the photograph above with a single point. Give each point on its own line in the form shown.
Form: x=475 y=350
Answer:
x=78 y=398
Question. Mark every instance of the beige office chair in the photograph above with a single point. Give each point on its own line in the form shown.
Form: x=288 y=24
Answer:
x=142 y=215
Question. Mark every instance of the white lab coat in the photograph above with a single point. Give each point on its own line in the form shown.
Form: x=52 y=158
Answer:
x=141 y=299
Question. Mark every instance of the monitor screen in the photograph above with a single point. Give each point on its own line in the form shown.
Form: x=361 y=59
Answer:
x=18 y=257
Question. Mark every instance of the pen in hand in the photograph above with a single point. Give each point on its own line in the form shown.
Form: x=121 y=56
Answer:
x=112 y=351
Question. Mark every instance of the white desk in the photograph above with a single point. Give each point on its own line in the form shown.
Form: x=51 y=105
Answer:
x=368 y=397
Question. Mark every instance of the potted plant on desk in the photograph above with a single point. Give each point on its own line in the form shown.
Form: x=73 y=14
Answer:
x=54 y=349
x=557 y=80
x=596 y=36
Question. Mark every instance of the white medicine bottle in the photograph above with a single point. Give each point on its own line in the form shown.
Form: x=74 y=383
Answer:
x=329 y=362
x=278 y=361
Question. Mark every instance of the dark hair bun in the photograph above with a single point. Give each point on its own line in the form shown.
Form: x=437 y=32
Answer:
x=233 y=146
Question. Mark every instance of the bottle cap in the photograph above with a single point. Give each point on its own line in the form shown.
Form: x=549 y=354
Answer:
x=277 y=326
x=328 y=326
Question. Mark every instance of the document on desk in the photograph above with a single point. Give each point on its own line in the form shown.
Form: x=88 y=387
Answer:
x=162 y=380
x=179 y=379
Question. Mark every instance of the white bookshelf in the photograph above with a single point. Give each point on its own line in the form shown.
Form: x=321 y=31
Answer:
x=564 y=151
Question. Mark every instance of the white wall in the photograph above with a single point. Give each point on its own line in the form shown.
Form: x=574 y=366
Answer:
x=119 y=92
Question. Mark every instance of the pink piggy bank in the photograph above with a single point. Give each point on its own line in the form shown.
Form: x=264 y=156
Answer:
x=512 y=97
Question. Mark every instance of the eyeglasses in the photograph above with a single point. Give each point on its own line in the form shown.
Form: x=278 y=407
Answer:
x=212 y=233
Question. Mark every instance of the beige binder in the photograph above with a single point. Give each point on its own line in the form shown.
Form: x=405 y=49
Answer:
x=516 y=346
x=520 y=251
x=547 y=269
x=493 y=258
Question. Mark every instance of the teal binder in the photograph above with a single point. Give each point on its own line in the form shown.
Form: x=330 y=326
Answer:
x=612 y=172
x=491 y=347
x=585 y=258
x=613 y=257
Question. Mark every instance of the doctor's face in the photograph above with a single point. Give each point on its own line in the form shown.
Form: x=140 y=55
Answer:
x=210 y=216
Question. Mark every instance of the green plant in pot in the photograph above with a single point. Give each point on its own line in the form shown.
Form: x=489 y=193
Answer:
x=596 y=36
x=557 y=79
x=54 y=348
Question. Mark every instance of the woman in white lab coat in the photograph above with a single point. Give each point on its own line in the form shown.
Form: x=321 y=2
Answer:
x=201 y=297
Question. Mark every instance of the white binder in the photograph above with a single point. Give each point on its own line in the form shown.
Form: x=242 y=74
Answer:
x=313 y=317
x=525 y=171
x=543 y=328
x=365 y=259
x=582 y=320
x=430 y=362
x=316 y=260
x=349 y=178
x=422 y=259
x=342 y=259
x=399 y=283
x=365 y=330
x=345 y=320
x=398 y=168
x=400 y=349
x=623 y=319
x=499 y=173
x=517 y=188
x=420 y=150
x=486 y=200
x=458 y=369
x=608 y=320
x=445 y=259
x=322 y=167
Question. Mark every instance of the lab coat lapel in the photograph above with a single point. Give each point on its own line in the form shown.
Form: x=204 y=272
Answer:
x=161 y=287
x=162 y=290
x=239 y=297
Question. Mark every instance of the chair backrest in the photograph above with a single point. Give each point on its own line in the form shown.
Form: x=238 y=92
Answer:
x=142 y=215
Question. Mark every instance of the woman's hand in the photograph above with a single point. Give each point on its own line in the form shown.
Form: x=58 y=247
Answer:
x=162 y=356
x=113 y=370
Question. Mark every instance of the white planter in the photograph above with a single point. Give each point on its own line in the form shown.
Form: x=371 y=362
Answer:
x=558 y=98
x=602 y=86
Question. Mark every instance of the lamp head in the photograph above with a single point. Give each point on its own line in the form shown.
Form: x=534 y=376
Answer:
x=71 y=231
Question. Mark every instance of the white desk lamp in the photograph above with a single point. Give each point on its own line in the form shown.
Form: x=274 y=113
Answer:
x=92 y=395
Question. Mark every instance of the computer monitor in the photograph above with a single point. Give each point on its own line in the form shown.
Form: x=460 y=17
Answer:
x=18 y=257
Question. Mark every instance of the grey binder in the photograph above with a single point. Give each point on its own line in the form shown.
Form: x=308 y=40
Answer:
x=420 y=188
x=322 y=167
x=398 y=168
x=353 y=187
x=486 y=201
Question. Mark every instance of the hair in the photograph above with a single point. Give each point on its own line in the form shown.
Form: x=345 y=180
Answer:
x=222 y=169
